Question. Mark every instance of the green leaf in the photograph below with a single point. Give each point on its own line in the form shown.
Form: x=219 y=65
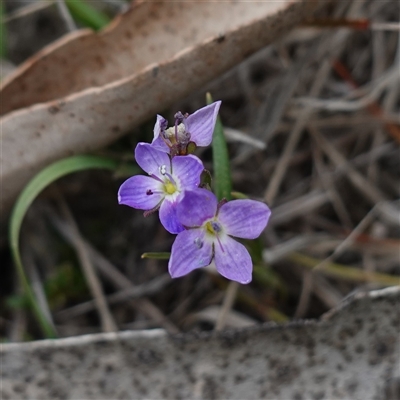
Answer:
x=222 y=171
x=157 y=256
x=87 y=15
x=25 y=199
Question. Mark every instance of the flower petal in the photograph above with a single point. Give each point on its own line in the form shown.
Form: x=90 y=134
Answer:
x=189 y=251
x=168 y=216
x=187 y=169
x=232 y=260
x=244 y=218
x=160 y=121
x=151 y=159
x=196 y=207
x=134 y=192
x=158 y=142
x=201 y=124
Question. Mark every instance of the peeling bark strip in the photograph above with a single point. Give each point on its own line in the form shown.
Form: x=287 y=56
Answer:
x=351 y=354
x=86 y=90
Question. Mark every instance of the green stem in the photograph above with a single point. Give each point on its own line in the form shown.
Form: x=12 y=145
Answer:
x=222 y=171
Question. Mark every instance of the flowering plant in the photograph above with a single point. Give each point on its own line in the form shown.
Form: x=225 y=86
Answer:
x=173 y=187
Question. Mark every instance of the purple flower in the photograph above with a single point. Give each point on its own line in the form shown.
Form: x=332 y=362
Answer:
x=189 y=130
x=209 y=228
x=164 y=187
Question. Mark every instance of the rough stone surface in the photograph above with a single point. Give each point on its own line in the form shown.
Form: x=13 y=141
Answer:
x=352 y=353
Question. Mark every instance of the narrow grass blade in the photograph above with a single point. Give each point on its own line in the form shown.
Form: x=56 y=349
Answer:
x=87 y=15
x=222 y=172
x=25 y=199
x=344 y=272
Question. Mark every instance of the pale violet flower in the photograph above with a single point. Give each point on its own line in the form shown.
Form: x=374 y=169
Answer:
x=164 y=187
x=207 y=235
x=188 y=132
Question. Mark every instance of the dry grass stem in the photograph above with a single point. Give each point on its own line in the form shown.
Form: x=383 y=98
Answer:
x=27 y=10
x=121 y=282
x=146 y=289
x=305 y=294
x=65 y=15
x=37 y=285
x=229 y=299
x=107 y=321
x=383 y=82
x=294 y=137
x=358 y=180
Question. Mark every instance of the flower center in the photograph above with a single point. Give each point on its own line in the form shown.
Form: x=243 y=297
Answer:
x=213 y=228
x=179 y=133
x=169 y=187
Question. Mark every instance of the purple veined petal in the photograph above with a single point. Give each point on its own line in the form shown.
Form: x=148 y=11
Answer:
x=188 y=170
x=201 y=124
x=151 y=159
x=168 y=217
x=189 y=251
x=196 y=207
x=157 y=127
x=245 y=219
x=136 y=192
x=158 y=143
x=232 y=260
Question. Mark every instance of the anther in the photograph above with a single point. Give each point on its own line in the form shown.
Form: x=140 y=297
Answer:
x=216 y=226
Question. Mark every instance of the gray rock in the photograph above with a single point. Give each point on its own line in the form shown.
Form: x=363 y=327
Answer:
x=351 y=353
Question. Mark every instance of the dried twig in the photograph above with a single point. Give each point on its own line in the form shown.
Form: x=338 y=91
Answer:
x=146 y=289
x=107 y=321
x=66 y=15
x=121 y=282
x=227 y=304
x=294 y=137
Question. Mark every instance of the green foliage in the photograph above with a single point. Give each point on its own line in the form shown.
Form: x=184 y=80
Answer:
x=87 y=15
x=222 y=171
x=48 y=175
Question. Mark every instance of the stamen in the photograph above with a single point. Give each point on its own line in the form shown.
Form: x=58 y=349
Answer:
x=170 y=178
x=156 y=178
x=166 y=140
x=163 y=169
x=216 y=226
x=179 y=117
x=149 y=192
x=176 y=130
